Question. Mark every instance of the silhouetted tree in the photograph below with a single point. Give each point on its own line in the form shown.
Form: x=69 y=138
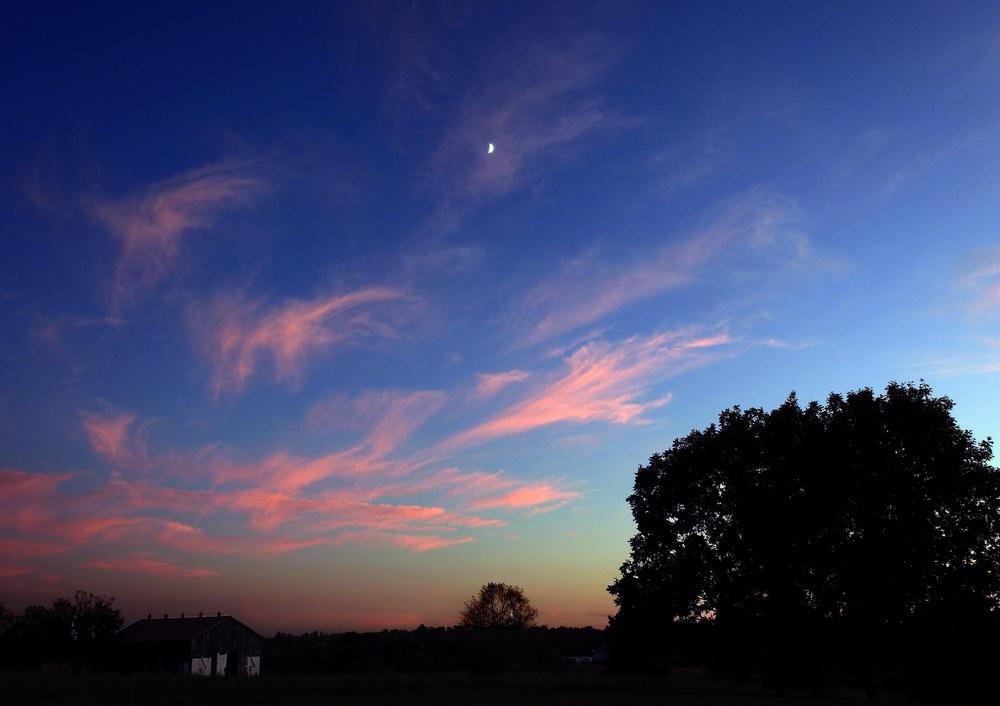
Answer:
x=70 y=631
x=6 y=619
x=863 y=517
x=95 y=619
x=498 y=605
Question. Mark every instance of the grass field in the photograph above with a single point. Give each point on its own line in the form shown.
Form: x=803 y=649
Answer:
x=584 y=688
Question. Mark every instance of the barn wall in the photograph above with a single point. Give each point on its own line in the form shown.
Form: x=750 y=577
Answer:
x=229 y=638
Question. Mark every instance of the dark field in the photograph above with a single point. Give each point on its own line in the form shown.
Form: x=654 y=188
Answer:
x=584 y=688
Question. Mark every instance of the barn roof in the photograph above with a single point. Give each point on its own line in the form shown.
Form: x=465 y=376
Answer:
x=172 y=629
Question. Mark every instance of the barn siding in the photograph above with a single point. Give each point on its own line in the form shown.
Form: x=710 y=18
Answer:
x=219 y=646
x=231 y=638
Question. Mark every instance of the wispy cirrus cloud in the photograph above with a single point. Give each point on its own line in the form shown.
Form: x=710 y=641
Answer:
x=30 y=548
x=973 y=290
x=591 y=286
x=477 y=490
x=391 y=418
x=239 y=334
x=151 y=224
x=604 y=382
x=543 y=101
x=283 y=512
x=112 y=436
x=978 y=281
x=23 y=497
x=413 y=542
x=145 y=563
x=490 y=384
x=52 y=330
x=978 y=141
x=125 y=523
x=9 y=572
x=380 y=488
x=543 y=496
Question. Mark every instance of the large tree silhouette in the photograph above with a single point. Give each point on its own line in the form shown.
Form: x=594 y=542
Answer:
x=866 y=516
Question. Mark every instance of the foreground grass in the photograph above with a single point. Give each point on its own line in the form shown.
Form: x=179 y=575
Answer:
x=582 y=687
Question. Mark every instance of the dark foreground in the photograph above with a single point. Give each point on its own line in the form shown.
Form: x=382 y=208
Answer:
x=583 y=688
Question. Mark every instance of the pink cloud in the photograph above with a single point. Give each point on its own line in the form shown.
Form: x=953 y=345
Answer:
x=340 y=513
x=15 y=484
x=416 y=543
x=239 y=335
x=561 y=304
x=390 y=419
x=269 y=506
x=535 y=495
x=30 y=547
x=49 y=521
x=142 y=496
x=283 y=472
x=423 y=543
x=489 y=384
x=394 y=417
x=84 y=529
x=143 y=563
x=269 y=510
x=453 y=480
x=111 y=437
x=479 y=490
x=604 y=383
x=25 y=498
x=289 y=501
x=192 y=539
x=8 y=571
x=152 y=224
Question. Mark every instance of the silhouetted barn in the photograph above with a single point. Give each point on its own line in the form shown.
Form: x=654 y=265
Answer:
x=219 y=644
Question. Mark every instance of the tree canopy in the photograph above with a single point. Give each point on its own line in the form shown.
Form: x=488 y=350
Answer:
x=869 y=512
x=70 y=630
x=498 y=605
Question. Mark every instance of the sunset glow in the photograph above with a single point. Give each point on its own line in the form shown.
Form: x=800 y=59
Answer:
x=282 y=337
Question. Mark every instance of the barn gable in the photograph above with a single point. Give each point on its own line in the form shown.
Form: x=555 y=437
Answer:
x=204 y=645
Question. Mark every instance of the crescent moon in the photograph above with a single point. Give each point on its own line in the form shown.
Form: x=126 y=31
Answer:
x=490 y=149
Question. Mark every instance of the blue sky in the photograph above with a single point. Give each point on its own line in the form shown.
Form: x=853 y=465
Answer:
x=279 y=330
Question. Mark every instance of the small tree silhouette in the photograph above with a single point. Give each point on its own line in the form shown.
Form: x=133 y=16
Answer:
x=498 y=605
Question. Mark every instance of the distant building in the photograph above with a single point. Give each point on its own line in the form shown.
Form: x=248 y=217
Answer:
x=215 y=645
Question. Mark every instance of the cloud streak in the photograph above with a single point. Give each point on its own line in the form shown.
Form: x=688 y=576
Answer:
x=604 y=382
x=979 y=281
x=538 y=496
x=381 y=488
x=143 y=563
x=152 y=224
x=546 y=103
x=111 y=436
x=590 y=287
x=490 y=384
x=239 y=335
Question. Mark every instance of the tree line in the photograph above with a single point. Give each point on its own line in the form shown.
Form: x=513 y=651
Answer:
x=431 y=649
x=71 y=632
